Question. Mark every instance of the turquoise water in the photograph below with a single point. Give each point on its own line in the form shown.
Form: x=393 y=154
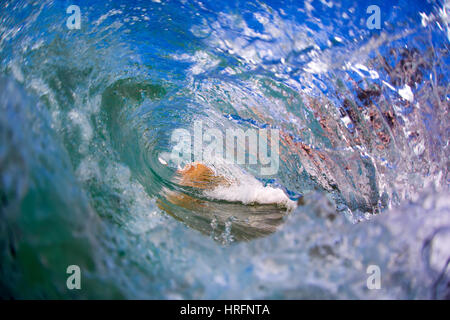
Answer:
x=86 y=118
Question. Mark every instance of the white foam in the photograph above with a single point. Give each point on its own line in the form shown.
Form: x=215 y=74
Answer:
x=406 y=93
x=249 y=190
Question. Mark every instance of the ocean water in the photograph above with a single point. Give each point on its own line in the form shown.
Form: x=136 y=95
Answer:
x=86 y=123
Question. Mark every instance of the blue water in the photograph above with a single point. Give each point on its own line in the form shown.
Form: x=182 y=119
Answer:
x=86 y=115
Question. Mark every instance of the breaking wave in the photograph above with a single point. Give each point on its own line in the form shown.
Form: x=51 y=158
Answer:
x=86 y=124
